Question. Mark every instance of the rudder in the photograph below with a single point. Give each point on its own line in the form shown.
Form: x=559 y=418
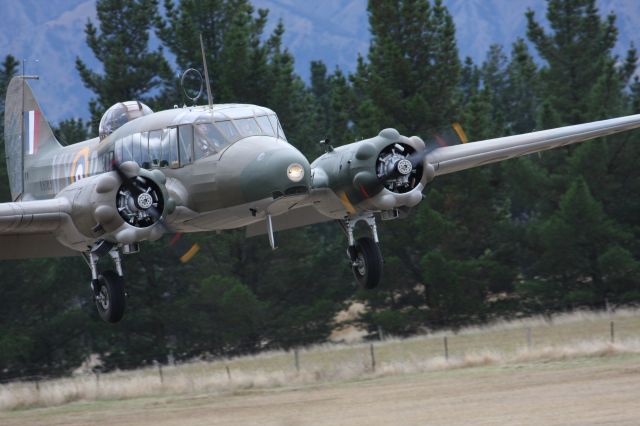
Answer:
x=27 y=133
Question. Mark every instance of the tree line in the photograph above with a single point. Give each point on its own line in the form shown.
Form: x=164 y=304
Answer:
x=545 y=233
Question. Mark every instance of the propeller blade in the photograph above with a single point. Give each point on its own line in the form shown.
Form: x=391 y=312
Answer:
x=184 y=252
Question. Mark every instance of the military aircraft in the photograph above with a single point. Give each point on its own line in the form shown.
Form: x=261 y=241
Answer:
x=217 y=167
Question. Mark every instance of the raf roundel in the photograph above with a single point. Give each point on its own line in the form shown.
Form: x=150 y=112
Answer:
x=80 y=165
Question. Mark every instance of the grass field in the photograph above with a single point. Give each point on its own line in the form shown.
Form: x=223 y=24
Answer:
x=570 y=374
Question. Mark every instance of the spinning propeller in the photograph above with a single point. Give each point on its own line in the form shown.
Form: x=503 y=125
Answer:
x=399 y=164
x=140 y=204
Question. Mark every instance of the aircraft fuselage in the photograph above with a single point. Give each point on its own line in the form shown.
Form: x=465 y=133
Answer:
x=224 y=167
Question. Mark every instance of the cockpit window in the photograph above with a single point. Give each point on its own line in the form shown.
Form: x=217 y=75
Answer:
x=228 y=130
x=248 y=127
x=276 y=127
x=265 y=125
x=208 y=140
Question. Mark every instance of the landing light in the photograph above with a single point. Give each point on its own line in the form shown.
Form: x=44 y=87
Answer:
x=295 y=172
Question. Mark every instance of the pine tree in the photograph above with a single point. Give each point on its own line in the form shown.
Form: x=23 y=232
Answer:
x=71 y=130
x=413 y=71
x=522 y=95
x=582 y=81
x=469 y=80
x=573 y=242
x=234 y=49
x=131 y=70
x=577 y=53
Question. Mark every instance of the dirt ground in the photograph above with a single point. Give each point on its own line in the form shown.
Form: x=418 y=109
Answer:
x=586 y=391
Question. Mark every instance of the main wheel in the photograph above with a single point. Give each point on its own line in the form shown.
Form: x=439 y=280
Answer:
x=110 y=296
x=367 y=264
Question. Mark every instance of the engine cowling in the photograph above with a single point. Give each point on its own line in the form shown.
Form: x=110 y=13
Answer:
x=377 y=174
x=105 y=207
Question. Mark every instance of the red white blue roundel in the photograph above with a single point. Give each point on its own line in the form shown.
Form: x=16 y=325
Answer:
x=80 y=165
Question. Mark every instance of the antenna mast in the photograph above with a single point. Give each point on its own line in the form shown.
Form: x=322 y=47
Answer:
x=206 y=73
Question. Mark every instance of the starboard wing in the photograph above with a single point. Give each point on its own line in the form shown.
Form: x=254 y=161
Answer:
x=460 y=157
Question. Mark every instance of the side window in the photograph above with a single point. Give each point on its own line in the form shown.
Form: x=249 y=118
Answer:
x=136 y=148
x=207 y=140
x=118 y=150
x=173 y=148
x=144 y=150
x=185 y=140
x=108 y=161
x=155 y=147
x=265 y=125
x=164 y=155
x=127 y=154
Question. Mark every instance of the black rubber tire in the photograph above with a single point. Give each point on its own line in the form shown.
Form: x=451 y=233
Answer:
x=110 y=296
x=369 y=273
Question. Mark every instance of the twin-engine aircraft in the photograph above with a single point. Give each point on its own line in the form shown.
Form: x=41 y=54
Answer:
x=216 y=167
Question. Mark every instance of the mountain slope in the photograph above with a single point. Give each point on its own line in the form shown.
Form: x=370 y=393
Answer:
x=335 y=31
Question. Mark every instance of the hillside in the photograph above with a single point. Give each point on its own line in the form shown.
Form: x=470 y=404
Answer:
x=334 y=31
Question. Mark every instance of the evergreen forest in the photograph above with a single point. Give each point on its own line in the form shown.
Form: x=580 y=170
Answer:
x=546 y=233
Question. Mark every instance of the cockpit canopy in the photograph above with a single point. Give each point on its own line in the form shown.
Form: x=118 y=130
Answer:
x=120 y=114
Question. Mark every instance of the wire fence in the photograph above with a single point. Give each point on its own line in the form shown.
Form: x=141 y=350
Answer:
x=563 y=337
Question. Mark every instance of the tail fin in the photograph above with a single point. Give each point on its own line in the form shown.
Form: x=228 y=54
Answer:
x=27 y=134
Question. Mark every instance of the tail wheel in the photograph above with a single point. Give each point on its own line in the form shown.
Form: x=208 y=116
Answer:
x=110 y=296
x=367 y=263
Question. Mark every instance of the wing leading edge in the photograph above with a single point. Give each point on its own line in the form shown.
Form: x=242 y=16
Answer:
x=461 y=157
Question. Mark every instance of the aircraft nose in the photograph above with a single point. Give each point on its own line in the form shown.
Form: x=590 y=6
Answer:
x=277 y=172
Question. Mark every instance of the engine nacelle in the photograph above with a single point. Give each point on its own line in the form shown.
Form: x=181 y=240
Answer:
x=104 y=207
x=383 y=173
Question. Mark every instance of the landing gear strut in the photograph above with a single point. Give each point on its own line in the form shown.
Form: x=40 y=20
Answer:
x=364 y=253
x=108 y=287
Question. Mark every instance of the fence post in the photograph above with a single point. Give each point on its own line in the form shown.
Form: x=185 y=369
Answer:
x=228 y=372
x=296 y=359
x=160 y=373
x=612 y=332
x=373 y=358
x=38 y=384
x=446 y=348
x=380 y=333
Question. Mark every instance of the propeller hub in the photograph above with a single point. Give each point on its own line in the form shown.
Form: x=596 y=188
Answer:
x=144 y=201
x=140 y=202
x=396 y=170
x=404 y=167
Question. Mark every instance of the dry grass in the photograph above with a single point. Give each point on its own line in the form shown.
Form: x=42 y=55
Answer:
x=503 y=343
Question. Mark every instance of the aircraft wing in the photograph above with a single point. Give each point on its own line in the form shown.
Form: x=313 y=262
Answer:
x=465 y=156
x=27 y=229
